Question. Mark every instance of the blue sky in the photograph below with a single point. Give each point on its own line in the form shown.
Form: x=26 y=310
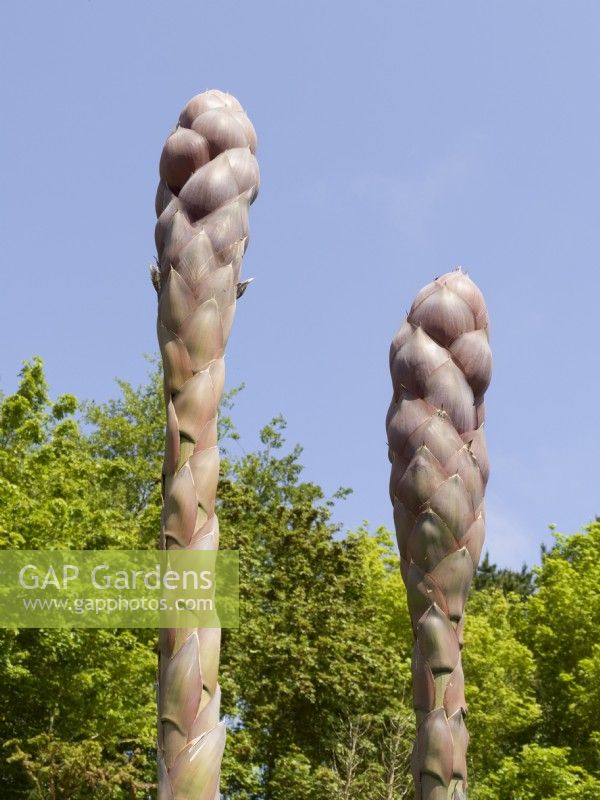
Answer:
x=396 y=141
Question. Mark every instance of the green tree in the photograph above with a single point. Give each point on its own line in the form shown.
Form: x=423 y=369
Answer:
x=561 y=626
x=316 y=681
x=330 y=610
x=539 y=773
x=77 y=707
x=76 y=710
x=501 y=682
x=507 y=580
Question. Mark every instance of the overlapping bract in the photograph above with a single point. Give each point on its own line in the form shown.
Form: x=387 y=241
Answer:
x=440 y=362
x=209 y=177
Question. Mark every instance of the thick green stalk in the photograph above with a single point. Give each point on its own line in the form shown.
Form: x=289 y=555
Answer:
x=440 y=363
x=209 y=178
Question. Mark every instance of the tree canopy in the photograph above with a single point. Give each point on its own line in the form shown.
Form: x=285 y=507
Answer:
x=316 y=680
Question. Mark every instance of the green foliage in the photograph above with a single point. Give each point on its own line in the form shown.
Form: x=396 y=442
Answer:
x=77 y=707
x=561 y=625
x=500 y=682
x=322 y=620
x=539 y=773
x=316 y=681
x=489 y=576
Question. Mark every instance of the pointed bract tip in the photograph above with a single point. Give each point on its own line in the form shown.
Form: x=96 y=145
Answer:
x=155 y=277
x=242 y=286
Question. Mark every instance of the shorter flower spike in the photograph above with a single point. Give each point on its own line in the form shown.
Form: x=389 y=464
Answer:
x=441 y=363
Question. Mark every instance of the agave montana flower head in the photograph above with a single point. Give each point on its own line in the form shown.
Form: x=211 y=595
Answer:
x=208 y=179
x=440 y=362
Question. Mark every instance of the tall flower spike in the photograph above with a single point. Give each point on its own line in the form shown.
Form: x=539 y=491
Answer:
x=441 y=363
x=208 y=179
